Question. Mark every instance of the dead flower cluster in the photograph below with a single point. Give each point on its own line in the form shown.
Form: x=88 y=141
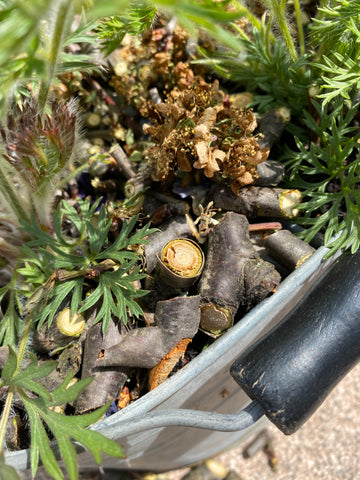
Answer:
x=140 y=65
x=199 y=128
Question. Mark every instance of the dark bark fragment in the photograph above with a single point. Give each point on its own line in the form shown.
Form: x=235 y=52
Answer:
x=70 y=359
x=258 y=201
x=288 y=249
x=222 y=281
x=175 y=319
x=107 y=382
x=234 y=274
x=269 y=173
x=261 y=278
x=272 y=125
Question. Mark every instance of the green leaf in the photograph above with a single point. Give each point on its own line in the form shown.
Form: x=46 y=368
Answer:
x=91 y=299
x=36 y=369
x=82 y=34
x=57 y=295
x=67 y=394
x=10 y=325
x=64 y=428
x=9 y=367
x=76 y=297
x=40 y=446
x=98 y=236
x=25 y=378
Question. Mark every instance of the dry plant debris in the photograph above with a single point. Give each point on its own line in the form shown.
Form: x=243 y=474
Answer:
x=200 y=129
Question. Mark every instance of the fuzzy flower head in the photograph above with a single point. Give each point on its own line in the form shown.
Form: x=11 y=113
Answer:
x=38 y=148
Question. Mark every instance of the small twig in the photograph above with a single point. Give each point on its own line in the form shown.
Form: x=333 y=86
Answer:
x=123 y=162
x=261 y=227
x=103 y=93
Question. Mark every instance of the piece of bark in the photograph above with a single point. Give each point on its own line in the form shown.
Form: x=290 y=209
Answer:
x=258 y=201
x=107 y=382
x=70 y=359
x=167 y=210
x=229 y=246
x=288 y=249
x=175 y=319
x=162 y=370
x=269 y=173
x=233 y=273
x=123 y=163
x=175 y=227
x=124 y=398
x=272 y=125
x=260 y=279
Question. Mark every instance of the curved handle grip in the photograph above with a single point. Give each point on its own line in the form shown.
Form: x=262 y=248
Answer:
x=291 y=370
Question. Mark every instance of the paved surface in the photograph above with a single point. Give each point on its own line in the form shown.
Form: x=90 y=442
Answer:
x=327 y=447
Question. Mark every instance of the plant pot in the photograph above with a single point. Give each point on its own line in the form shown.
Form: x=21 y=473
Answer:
x=204 y=384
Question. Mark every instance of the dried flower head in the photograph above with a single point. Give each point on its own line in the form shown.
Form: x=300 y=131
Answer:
x=194 y=130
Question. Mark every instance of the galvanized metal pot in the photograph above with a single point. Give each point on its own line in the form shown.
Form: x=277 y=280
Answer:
x=204 y=384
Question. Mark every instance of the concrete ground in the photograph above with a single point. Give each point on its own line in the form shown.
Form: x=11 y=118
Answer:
x=327 y=447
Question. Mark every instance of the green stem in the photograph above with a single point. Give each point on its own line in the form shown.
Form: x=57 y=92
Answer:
x=12 y=197
x=60 y=27
x=5 y=416
x=10 y=396
x=72 y=175
x=299 y=27
x=245 y=12
x=284 y=28
x=23 y=342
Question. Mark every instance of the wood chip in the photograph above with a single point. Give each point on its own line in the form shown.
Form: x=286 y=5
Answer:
x=162 y=370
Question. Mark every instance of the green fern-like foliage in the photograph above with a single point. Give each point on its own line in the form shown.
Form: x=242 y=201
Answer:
x=88 y=269
x=265 y=68
x=40 y=404
x=336 y=37
x=139 y=18
x=327 y=171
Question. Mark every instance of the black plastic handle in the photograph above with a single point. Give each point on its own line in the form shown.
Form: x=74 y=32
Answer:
x=291 y=370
